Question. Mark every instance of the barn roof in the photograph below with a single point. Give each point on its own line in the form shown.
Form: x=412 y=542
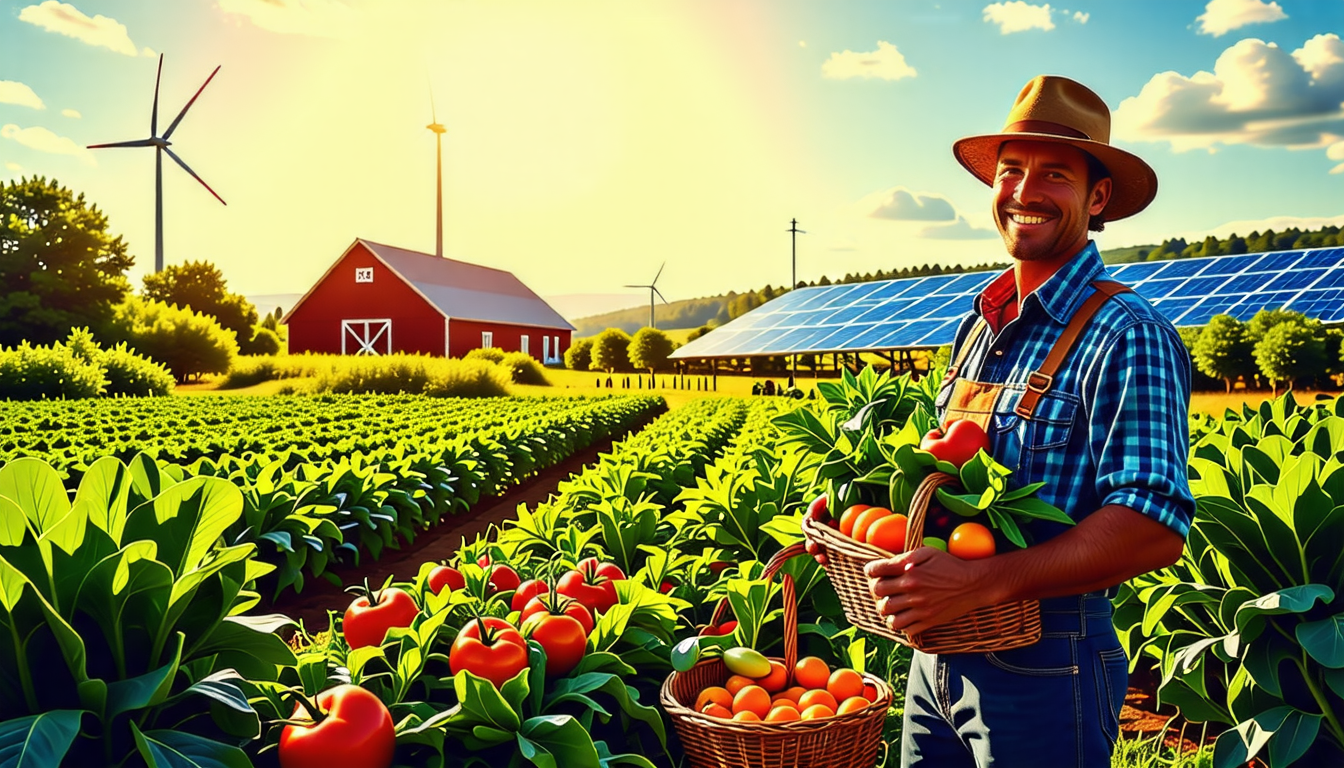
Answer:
x=464 y=291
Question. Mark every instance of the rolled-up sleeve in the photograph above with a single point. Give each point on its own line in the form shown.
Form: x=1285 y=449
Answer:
x=1139 y=431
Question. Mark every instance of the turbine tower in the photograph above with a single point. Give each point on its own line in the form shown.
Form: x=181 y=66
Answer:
x=653 y=288
x=438 y=130
x=161 y=144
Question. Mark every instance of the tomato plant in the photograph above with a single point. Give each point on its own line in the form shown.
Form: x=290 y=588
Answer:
x=490 y=648
x=592 y=583
x=526 y=591
x=503 y=578
x=559 y=605
x=347 y=726
x=563 y=637
x=445 y=576
x=367 y=621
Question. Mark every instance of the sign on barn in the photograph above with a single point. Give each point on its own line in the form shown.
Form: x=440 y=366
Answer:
x=376 y=300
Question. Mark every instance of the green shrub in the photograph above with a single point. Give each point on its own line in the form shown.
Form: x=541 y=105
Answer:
x=264 y=342
x=579 y=356
x=489 y=354
x=611 y=351
x=649 y=349
x=467 y=378
x=133 y=375
x=41 y=373
x=189 y=343
x=524 y=369
x=387 y=375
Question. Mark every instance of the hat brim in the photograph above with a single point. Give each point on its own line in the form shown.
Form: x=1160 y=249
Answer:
x=1134 y=183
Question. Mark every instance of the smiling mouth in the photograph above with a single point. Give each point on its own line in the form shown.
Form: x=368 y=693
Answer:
x=1023 y=218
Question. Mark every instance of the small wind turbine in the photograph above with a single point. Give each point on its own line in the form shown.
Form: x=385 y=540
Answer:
x=160 y=144
x=438 y=130
x=653 y=288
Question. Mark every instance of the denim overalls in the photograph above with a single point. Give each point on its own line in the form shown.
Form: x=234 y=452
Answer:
x=1052 y=704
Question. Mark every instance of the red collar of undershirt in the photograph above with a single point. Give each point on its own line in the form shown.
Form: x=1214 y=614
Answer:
x=996 y=299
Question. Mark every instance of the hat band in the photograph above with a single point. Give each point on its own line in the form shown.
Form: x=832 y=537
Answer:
x=1045 y=126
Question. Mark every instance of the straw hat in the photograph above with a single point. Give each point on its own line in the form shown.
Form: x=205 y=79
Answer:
x=1059 y=110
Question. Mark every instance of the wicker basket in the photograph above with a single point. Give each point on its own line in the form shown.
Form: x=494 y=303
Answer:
x=991 y=628
x=844 y=741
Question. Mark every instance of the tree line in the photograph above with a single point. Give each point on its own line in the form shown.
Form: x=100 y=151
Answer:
x=1290 y=239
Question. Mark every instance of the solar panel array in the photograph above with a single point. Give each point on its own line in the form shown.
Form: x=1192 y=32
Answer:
x=926 y=311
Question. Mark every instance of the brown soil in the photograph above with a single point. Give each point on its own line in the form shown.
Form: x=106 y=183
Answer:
x=439 y=542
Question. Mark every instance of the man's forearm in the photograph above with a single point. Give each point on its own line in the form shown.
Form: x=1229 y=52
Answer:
x=1108 y=547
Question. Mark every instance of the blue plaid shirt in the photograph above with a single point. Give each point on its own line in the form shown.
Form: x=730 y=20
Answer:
x=1113 y=428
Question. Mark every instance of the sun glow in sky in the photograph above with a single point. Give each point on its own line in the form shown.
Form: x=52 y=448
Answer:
x=590 y=141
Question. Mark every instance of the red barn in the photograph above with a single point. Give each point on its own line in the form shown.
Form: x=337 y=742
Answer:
x=376 y=300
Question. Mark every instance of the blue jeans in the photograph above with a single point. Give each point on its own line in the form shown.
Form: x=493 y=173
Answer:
x=1053 y=704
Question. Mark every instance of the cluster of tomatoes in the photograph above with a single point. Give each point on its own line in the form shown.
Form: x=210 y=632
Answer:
x=816 y=693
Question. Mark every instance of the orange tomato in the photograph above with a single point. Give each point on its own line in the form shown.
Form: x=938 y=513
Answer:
x=737 y=683
x=845 y=684
x=783 y=715
x=813 y=698
x=746 y=716
x=714 y=710
x=811 y=672
x=713 y=695
x=776 y=680
x=753 y=699
x=888 y=533
x=818 y=712
x=866 y=521
x=849 y=517
x=792 y=694
x=971 y=541
x=852 y=704
x=779 y=701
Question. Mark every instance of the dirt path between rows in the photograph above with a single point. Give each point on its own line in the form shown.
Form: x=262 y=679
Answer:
x=441 y=541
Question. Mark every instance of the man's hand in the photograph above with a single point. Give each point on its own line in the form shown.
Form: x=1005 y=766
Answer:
x=921 y=589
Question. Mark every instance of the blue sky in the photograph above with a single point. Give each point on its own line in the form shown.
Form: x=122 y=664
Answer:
x=590 y=141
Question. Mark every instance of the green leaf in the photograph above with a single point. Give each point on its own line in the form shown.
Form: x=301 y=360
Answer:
x=482 y=703
x=104 y=492
x=1324 y=640
x=177 y=749
x=1037 y=509
x=1292 y=600
x=144 y=690
x=38 y=741
x=557 y=741
x=38 y=490
x=186 y=520
x=1287 y=731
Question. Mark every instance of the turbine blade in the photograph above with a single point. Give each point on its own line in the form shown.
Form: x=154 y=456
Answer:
x=154 y=116
x=660 y=294
x=433 y=114
x=140 y=143
x=660 y=273
x=193 y=173
x=638 y=286
x=181 y=114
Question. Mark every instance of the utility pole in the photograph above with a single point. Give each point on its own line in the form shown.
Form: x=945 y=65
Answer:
x=794 y=232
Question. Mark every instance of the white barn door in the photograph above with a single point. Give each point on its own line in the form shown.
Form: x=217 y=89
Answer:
x=366 y=337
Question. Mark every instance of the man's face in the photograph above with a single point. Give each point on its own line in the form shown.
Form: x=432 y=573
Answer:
x=1042 y=201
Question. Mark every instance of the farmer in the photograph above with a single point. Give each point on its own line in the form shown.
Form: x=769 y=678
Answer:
x=1101 y=421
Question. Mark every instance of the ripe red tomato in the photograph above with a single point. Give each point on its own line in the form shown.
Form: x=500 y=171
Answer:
x=667 y=586
x=497 y=654
x=726 y=628
x=503 y=578
x=366 y=624
x=526 y=591
x=958 y=443
x=817 y=510
x=562 y=637
x=357 y=730
x=444 y=576
x=559 y=605
x=593 y=584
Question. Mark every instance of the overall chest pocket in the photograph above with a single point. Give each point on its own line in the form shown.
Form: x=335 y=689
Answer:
x=1030 y=447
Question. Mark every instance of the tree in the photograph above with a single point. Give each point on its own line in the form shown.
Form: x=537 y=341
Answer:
x=610 y=351
x=1224 y=350
x=1266 y=319
x=200 y=286
x=1289 y=351
x=59 y=266
x=649 y=349
x=579 y=356
x=188 y=342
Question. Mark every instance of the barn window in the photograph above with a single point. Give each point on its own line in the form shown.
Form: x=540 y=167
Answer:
x=546 y=349
x=363 y=274
x=522 y=345
x=487 y=339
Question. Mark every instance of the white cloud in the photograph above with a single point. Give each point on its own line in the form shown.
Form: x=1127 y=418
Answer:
x=886 y=63
x=71 y=113
x=1018 y=16
x=961 y=229
x=14 y=92
x=316 y=18
x=148 y=52
x=66 y=19
x=1081 y=17
x=1223 y=16
x=1257 y=94
x=13 y=167
x=900 y=204
x=1336 y=152
x=1277 y=223
x=43 y=140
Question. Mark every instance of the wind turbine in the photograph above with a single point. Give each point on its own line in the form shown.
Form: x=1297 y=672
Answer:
x=438 y=130
x=160 y=144
x=653 y=288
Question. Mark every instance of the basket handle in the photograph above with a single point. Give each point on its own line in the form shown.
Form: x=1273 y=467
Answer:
x=925 y=494
x=772 y=568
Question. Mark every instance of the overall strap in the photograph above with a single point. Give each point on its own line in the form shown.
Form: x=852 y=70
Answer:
x=1041 y=379
x=971 y=336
